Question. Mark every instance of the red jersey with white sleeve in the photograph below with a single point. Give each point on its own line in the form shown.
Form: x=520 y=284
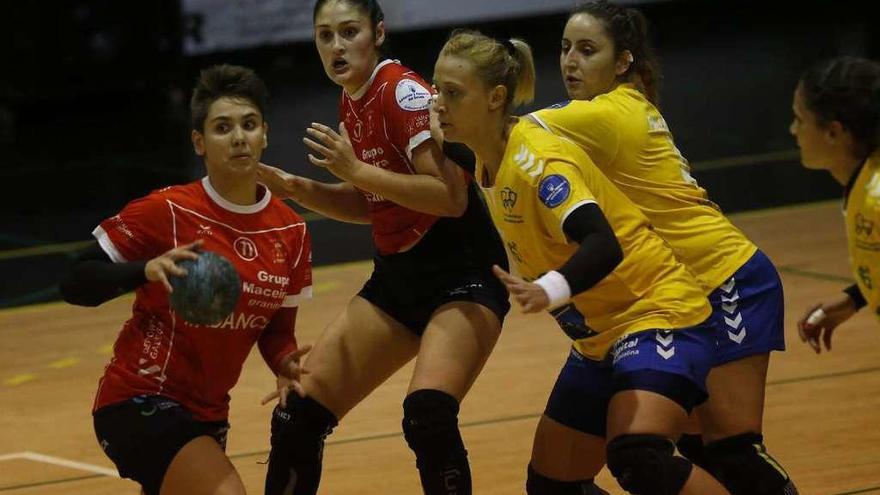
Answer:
x=386 y=120
x=157 y=352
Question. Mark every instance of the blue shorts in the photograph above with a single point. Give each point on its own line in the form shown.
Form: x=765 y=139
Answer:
x=748 y=312
x=672 y=363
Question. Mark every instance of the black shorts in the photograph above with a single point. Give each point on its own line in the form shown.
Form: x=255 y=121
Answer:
x=452 y=262
x=414 y=301
x=143 y=434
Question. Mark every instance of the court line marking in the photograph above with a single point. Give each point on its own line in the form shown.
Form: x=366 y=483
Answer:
x=863 y=490
x=827 y=277
x=797 y=207
x=9 y=488
x=792 y=154
x=58 y=461
x=62 y=247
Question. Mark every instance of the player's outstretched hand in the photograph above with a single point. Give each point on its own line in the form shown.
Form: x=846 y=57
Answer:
x=531 y=297
x=161 y=267
x=822 y=319
x=288 y=377
x=335 y=148
x=282 y=184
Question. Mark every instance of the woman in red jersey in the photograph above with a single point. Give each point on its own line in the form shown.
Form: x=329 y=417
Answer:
x=431 y=296
x=162 y=405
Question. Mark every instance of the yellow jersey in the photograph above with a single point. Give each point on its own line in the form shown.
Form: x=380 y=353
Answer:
x=541 y=180
x=863 y=230
x=629 y=141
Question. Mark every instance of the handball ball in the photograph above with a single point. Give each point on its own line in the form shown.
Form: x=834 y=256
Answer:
x=209 y=291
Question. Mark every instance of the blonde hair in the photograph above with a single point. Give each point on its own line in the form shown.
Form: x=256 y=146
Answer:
x=506 y=63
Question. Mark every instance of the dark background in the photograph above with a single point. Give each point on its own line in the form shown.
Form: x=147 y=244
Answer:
x=94 y=94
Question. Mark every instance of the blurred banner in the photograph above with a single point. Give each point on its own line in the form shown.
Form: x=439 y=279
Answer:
x=217 y=25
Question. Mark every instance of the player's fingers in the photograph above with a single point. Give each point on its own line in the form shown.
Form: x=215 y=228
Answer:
x=813 y=340
x=324 y=137
x=503 y=275
x=282 y=396
x=171 y=268
x=318 y=162
x=191 y=247
x=183 y=253
x=811 y=335
x=265 y=400
x=826 y=338
x=298 y=388
x=302 y=351
x=164 y=279
x=324 y=128
x=272 y=175
x=317 y=147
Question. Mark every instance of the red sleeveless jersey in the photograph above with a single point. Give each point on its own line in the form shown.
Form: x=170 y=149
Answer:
x=386 y=120
x=157 y=352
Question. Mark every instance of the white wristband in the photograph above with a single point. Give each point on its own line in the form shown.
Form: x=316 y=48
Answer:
x=556 y=287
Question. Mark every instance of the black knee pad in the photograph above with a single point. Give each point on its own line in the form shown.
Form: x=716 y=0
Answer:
x=538 y=484
x=647 y=465
x=298 y=434
x=430 y=425
x=301 y=428
x=741 y=463
x=691 y=447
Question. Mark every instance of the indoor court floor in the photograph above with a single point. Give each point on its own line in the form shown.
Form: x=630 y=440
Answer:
x=822 y=417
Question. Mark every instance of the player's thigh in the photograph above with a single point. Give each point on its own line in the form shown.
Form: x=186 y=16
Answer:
x=358 y=351
x=563 y=453
x=201 y=468
x=644 y=412
x=736 y=398
x=455 y=346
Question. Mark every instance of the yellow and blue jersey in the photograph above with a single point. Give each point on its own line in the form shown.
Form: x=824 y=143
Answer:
x=863 y=230
x=628 y=139
x=541 y=180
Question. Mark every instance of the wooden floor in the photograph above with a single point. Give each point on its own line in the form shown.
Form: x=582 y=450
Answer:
x=822 y=421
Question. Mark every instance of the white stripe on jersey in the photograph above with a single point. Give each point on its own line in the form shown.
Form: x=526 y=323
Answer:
x=107 y=245
x=415 y=141
x=275 y=229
